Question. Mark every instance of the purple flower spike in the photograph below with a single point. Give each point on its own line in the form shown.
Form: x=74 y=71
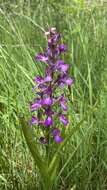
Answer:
x=49 y=104
x=48 y=121
x=58 y=139
x=42 y=57
x=63 y=119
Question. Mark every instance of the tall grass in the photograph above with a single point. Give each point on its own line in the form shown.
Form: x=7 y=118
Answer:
x=84 y=158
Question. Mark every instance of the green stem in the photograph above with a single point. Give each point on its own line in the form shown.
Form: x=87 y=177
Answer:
x=30 y=140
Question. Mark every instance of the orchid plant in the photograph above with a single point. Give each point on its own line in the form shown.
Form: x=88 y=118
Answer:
x=49 y=107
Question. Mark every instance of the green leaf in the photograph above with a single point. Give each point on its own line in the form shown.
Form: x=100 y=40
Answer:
x=30 y=139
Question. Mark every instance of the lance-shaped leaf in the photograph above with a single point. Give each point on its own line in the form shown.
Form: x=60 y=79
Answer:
x=30 y=140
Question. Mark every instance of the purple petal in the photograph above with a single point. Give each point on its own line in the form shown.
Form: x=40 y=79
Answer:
x=48 y=121
x=41 y=57
x=64 y=67
x=34 y=120
x=35 y=105
x=50 y=42
x=56 y=51
x=48 y=101
x=49 y=52
x=58 y=139
x=38 y=79
x=63 y=119
x=62 y=48
x=64 y=107
x=48 y=79
x=48 y=91
x=56 y=132
x=56 y=37
x=42 y=87
x=60 y=62
x=69 y=81
x=49 y=112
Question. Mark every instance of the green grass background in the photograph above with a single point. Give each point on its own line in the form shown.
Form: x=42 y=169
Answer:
x=84 y=28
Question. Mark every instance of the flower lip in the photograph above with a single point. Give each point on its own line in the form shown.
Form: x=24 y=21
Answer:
x=58 y=139
x=47 y=101
x=69 y=81
x=62 y=48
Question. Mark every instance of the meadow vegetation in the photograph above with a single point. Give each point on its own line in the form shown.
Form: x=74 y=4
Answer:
x=84 y=28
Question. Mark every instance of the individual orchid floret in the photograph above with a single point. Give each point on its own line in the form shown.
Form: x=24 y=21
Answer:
x=48 y=121
x=64 y=119
x=41 y=57
x=57 y=135
x=51 y=105
x=62 y=48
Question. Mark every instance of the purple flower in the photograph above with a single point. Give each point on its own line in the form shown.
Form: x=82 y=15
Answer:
x=62 y=48
x=58 y=139
x=41 y=80
x=48 y=52
x=63 y=119
x=35 y=105
x=42 y=57
x=42 y=87
x=38 y=79
x=56 y=132
x=56 y=51
x=69 y=81
x=62 y=66
x=64 y=107
x=47 y=101
x=48 y=90
x=48 y=121
x=48 y=78
x=34 y=120
x=49 y=112
x=65 y=80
